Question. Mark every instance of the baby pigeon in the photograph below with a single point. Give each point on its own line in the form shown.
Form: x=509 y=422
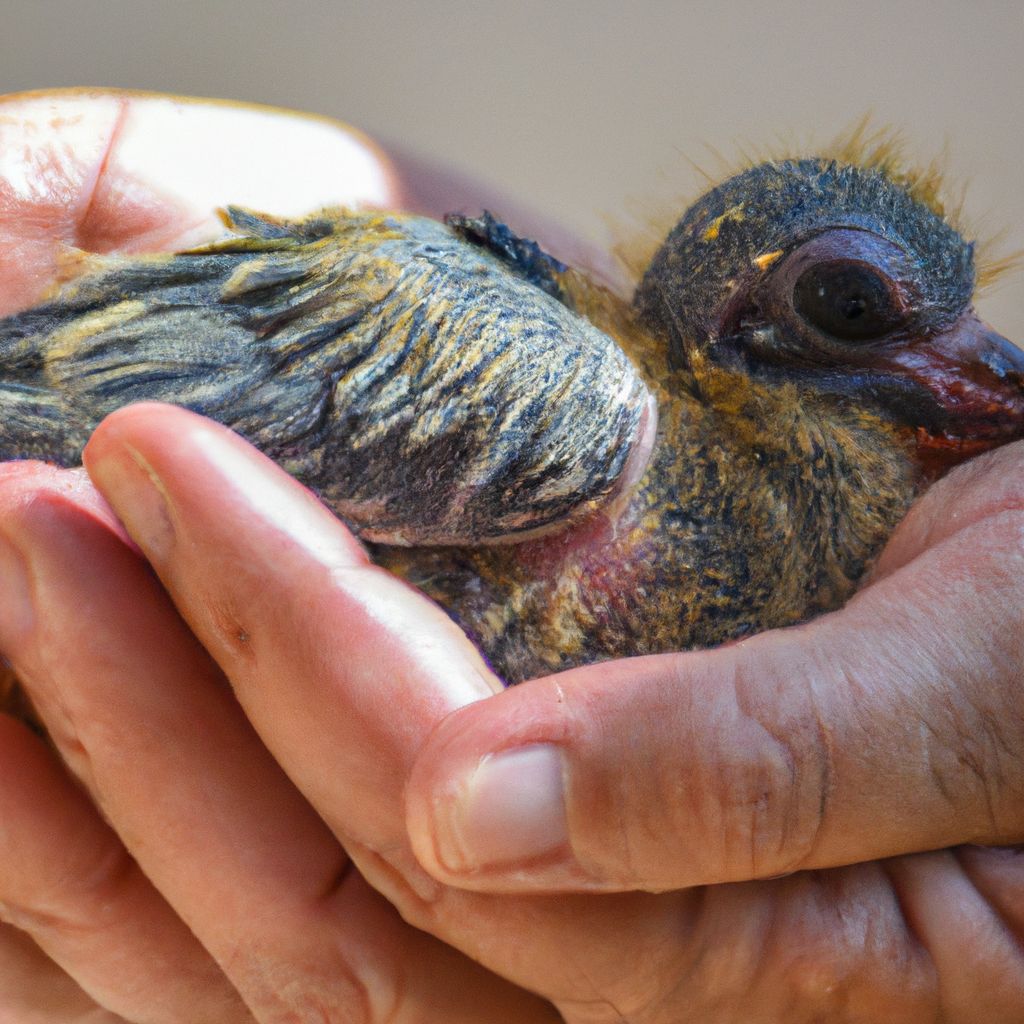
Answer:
x=573 y=476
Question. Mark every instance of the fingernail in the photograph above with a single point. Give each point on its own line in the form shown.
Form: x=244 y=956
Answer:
x=509 y=810
x=16 y=611
x=138 y=496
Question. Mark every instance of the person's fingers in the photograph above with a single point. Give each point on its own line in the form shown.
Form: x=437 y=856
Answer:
x=85 y=903
x=107 y=171
x=789 y=750
x=980 y=974
x=998 y=874
x=34 y=990
x=144 y=719
x=82 y=898
x=342 y=669
x=227 y=532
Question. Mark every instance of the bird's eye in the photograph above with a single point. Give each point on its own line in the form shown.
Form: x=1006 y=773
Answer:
x=847 y=299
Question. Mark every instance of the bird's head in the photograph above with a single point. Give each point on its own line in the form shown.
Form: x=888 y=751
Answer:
x=840 y=279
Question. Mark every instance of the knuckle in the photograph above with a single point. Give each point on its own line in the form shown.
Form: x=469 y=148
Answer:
x=102 y=886
x=85 y=898
x=345 y=999
x=843 y=949
x=817 y=946
x=835 y=978
x=965 y=632
x=335 y=983
x=774 y=781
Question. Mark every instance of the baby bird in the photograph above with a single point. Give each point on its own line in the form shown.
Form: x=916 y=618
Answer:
x=571 y=475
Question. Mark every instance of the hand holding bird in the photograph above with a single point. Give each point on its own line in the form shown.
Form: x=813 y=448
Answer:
x=738 y=718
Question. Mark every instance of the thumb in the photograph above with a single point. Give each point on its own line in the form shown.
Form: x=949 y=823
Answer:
x=892 y=726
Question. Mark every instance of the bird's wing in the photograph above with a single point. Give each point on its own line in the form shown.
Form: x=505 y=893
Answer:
x=426 y=391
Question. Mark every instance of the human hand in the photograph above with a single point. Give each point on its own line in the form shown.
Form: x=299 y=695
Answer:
x=356 y=685
x=275 y=925
x=830 y=943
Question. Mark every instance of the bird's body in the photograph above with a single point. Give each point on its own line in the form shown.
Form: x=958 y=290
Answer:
x=482 y=415
x=733 y=528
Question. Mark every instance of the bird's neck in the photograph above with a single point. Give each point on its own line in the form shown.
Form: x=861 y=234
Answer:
x=814 y=490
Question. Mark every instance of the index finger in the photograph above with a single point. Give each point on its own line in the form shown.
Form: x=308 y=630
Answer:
x=406 y=664
x=108 y=171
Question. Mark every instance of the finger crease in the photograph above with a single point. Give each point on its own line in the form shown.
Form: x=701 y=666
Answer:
x=1016 y=940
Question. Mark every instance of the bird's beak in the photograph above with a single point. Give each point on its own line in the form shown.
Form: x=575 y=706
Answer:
x=975 y=377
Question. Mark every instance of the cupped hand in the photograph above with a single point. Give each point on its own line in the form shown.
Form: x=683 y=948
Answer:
x=370 y=701
x=527 y=828
x=174 y=875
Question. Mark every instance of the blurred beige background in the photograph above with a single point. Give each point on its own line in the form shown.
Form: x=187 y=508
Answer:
x=581 y=109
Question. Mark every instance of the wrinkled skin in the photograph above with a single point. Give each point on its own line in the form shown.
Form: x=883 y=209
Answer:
x=678 y=769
